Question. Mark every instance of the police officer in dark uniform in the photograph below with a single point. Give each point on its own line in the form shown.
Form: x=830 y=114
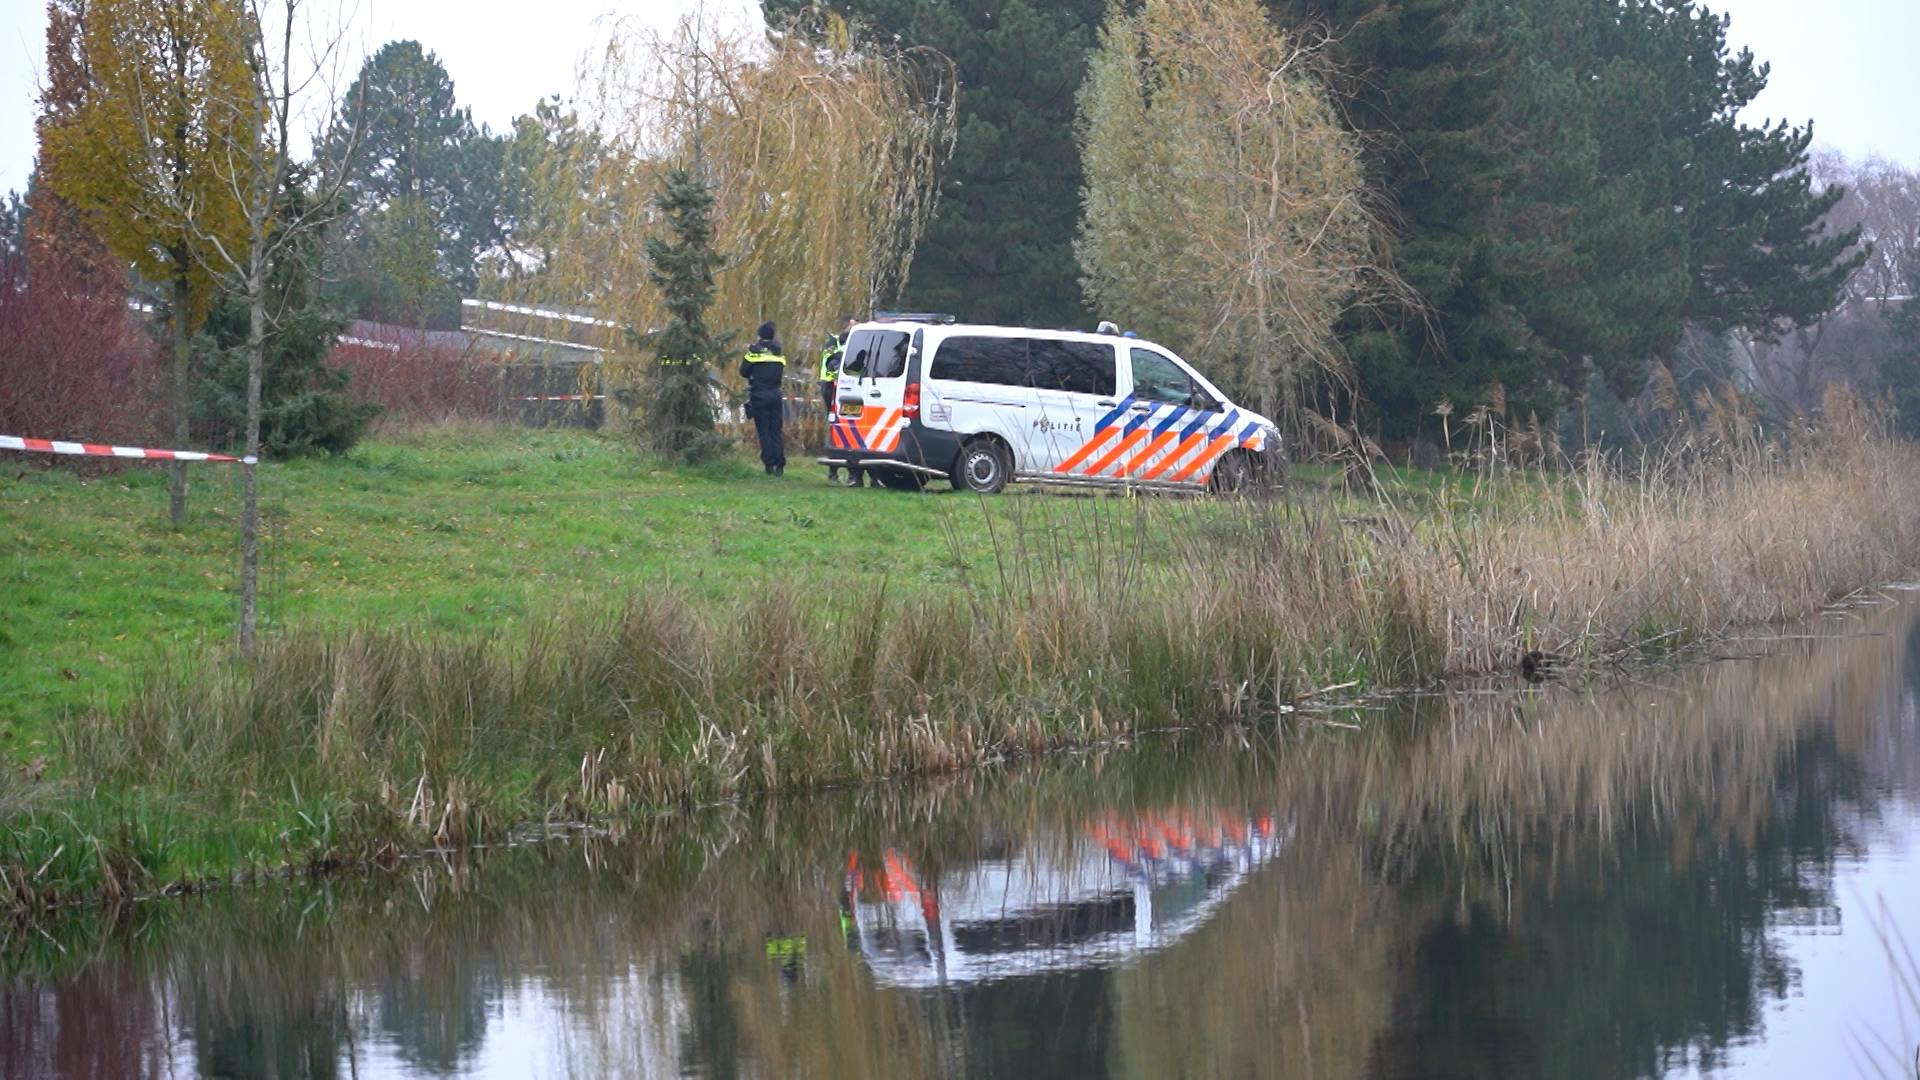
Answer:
x=764 y=366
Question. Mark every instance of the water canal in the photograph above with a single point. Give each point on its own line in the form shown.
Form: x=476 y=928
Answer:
x=1706 y=872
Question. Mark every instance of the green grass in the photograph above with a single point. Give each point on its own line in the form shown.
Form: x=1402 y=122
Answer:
x=460 y=529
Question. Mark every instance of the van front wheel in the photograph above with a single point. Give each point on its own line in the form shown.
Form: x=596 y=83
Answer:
x=1234 y=475
x=983 y=467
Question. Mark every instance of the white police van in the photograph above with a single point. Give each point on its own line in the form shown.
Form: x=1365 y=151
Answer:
x=982 y=406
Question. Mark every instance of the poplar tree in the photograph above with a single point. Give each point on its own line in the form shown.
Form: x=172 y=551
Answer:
x=1225 y=206
x=169 y=92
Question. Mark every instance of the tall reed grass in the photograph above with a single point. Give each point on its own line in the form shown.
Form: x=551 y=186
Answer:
x=1115 y=618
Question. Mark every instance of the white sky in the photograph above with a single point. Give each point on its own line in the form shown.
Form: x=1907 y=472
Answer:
x=1847 y=64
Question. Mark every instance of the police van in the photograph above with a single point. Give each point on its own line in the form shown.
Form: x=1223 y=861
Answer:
x=984 y=406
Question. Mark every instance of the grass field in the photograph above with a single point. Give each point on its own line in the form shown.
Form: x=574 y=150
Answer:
x=452 y=528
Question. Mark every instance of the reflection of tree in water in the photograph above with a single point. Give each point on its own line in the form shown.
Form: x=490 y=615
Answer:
x=712 y=1043
x=103 y=1023
x=1624 y=961
x=296 y=1042
x=434 y=1007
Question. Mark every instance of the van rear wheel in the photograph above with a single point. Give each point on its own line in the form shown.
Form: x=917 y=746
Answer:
x=983 y=467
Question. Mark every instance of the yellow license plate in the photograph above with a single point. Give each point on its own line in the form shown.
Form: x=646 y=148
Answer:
x=851 y=409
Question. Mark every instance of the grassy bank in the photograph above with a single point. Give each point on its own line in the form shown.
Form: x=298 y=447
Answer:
x=780 y=636
x=459 y=528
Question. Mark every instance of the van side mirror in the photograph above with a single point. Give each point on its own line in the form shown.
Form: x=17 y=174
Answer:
x=1203 y=401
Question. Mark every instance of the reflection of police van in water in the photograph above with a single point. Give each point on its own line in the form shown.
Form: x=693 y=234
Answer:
x=1093 y=900
x=985 y=405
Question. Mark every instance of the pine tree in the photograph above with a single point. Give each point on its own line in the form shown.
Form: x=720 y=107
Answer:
x=1900 y=371
x=1652 y=208
x=1422 y=85
x=679 y=415
x=422 y=188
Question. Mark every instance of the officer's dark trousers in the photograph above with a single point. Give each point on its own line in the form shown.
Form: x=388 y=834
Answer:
x=767 y=416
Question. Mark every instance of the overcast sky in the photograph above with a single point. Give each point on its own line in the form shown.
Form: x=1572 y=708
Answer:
x=1848 y=65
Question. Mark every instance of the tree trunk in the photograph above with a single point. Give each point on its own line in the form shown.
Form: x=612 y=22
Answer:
x=181 y=391
x=250 y=508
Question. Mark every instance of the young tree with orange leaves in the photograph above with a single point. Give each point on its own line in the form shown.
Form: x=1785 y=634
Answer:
x=57 y=234
x=167 y=96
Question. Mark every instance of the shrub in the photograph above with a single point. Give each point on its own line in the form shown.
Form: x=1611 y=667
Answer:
x=416 y=374
x=305 y=405
x=75 y=363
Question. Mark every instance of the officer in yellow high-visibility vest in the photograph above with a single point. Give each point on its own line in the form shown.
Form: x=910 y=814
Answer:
x=830 y=358
x=764 y=367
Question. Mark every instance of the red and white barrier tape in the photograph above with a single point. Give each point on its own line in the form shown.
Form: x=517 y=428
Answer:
x=55 y=446
x=566 y=397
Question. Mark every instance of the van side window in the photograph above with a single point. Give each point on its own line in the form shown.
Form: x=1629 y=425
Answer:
x=998 y=361
x=876 y=354
x=1156 y=378
x=1073 y=367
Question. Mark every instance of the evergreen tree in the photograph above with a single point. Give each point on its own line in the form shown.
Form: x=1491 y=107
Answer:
x=1654 y=209
x=1423 y=85
x=1759 y=255
x=679 y=415
x=1604 y=266
x=304 y=405
x=1900 y=371
x=421 y=190
x=999 y=247
x=1573 y=189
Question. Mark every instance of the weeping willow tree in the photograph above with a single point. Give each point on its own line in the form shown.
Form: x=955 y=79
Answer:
x=820 y=155
x=1225 y=210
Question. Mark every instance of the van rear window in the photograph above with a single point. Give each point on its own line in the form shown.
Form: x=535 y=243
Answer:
x=1073 y=367
x=993 y=360
x=876 y=354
